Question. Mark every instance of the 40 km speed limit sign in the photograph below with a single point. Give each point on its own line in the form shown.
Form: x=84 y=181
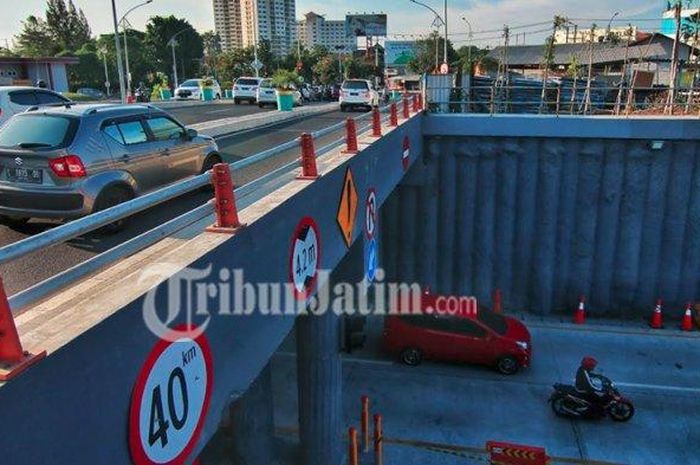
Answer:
x=170 y=401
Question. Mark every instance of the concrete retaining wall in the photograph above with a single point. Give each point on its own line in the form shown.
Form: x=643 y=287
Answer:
x=558 y=209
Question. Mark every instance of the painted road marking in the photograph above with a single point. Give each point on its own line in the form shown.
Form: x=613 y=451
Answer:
x=170 y=401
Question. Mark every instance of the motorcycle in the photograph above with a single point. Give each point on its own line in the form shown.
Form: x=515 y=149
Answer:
x=141 y=95
x=567 y=401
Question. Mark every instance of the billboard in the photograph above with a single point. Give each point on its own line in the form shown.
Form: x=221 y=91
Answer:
x=399 y=52
x=373 y=25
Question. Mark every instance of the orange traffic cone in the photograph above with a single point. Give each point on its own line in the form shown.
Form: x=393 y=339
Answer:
x=657 y=321
x=687 y=323
x=580 y=314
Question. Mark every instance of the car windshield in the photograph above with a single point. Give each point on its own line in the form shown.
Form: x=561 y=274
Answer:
x=355 y=85
x=267 y=84
x=37 y=132
x=247 y=82
x=191 y=83
x=494 y=321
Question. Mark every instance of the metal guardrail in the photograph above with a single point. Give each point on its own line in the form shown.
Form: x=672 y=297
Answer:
x=97 y=220
x=568 y=98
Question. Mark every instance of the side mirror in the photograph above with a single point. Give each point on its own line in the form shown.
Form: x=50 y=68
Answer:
x=191 y=133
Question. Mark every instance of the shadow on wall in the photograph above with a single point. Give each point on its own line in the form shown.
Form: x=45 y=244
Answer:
x=549 y=219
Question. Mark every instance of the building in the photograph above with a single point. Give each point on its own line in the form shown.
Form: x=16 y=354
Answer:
x=574 y=35
x=689 y=20
x=242 y=23
x=27 y=71
x=314 y=29
x=227 y=22
x=652 y=53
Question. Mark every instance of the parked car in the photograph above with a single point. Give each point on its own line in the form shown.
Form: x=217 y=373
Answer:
x=357 y=93
x=267 y=95
x=16 y=99
x=487 y=338
x=92 y=93
x=67 y=162
x=246 y=88
x=192 y=89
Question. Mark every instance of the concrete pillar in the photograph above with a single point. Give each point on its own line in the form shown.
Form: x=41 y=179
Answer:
x=320 y=389
x=252 y=423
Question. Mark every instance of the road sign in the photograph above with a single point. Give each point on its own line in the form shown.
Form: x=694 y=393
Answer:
x=444 y=68
x=371 y=213
x=371 y=261
x=406 y=152
x=347 y=208
x=257 y=64
x=170 y=400
x=305 y=258
x=300 y=65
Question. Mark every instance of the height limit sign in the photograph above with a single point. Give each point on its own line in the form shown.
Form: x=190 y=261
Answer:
x=170 y=400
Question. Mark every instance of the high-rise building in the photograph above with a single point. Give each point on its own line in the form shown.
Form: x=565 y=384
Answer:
x=314 y=29
x=227 y=22
x=240 y=23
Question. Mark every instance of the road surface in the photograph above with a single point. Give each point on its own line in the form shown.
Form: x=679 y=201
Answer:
x=466 y=406
x=208 y=112
x=21 y=274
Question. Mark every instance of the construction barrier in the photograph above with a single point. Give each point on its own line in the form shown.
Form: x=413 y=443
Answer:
x=350 y=136
x=656 y=320
x=376 y=123
x=406 y=109
x=504 y=453
x=687 y=322
x=227 y=220
x=580 y=313
x=309 y=170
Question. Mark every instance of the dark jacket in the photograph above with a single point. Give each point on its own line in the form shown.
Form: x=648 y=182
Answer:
x=583 y=381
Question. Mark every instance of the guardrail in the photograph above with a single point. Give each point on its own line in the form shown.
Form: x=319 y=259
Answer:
x=97 y=220
x=569 y=99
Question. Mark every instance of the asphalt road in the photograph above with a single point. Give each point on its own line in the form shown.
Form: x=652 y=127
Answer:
x=208 y=112
x=22 y=274
x=466 y=406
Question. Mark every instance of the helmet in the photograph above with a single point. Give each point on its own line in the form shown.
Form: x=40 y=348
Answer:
x=589 y=363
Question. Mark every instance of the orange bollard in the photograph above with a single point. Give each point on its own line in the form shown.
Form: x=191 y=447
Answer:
x=687 y=323
x=378 y=440
x=376 y=123
x=350 y=136
x=656 y=320
x=414 y=101
x=420 y=102
x=13 y=359
x=224 y=201
x=497 y=303
x=406 y=110
x=580 y=314
x=364 y=423
x=393 y=115
x=309 y=169
x=353 y=452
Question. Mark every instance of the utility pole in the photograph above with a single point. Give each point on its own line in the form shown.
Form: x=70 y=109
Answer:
x=104 y=60
x=587 y=106
x=172 y=44
x=255 y=36
x=120 y=67
x=674 y=62
x=446 y=33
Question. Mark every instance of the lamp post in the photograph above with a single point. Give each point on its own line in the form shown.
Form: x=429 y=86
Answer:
x=120 y=67
x=607 y=30
x=469 y=43
x=440 y=18
x=173 y=43
x=124 y=24
x=104 y=61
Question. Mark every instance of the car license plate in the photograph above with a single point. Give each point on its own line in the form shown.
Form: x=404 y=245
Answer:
x=354 y=94
x=28 y=175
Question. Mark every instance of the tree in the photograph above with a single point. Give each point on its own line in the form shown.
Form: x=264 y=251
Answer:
x=234 y=63
x=426 y=49
x=354 y=68
x=212 y=49
x=326 y=70
x=36 y=40
x=67 y=25
x=189 y=49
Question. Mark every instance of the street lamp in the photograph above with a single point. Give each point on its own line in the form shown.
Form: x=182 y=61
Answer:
x=469 y=43
x=440 y=18
x=173 y=43
x=607 y=30
x=124 y=24
x=120 y=67
x=103 y=52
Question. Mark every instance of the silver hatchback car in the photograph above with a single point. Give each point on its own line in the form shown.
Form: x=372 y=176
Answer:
x=70 y=161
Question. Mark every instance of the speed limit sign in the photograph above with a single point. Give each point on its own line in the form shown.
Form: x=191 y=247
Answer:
x=170 y=401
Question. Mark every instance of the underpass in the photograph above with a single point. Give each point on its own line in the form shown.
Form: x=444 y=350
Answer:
x=474 y=210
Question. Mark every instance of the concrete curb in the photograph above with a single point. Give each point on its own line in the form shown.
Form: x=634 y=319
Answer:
x=228 y=126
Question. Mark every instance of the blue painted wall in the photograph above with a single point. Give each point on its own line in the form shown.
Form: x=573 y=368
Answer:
x=590 y=209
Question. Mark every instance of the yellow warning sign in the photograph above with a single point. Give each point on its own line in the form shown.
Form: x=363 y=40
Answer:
x=347 y=209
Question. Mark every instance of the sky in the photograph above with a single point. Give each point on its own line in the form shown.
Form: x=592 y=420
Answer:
x=405 y=18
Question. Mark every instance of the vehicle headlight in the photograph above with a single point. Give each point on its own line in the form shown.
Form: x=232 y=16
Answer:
x=522 y=344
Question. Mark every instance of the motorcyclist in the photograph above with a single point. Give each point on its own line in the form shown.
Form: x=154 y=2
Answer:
x=588 y=383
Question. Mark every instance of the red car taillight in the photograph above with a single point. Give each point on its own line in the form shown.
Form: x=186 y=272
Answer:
x=70 y=166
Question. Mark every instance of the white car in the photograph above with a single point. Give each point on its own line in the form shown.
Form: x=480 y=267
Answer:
x=267 y=95
x=192 y=89
x=16 y=99
x=246 y=88
x=357 y=93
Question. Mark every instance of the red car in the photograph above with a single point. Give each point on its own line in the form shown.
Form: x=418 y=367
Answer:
x=486 y=338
